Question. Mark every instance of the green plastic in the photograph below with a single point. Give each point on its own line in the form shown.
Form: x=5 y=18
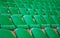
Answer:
x=30 y=21
x=7 y=23
x=22 y=33
x=3 y=4
x=58 y=19
x=6 y=34
x=39 y=12
x=24 y=11
x=19 y=4
x=4 y=11
x=32 y=12
x=3 y=0
x=27 y=5
x=52 y=22
x=40 y=20
x=51 y=33
x=19 y=21
x=11 y=5
x=10 y=1
x=13 y=10
x=37 y=33
x=58 y=29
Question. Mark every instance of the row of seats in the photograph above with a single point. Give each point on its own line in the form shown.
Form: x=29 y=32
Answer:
x=32 y=7
x=31 y=4
x=29 y=18
x=35 y=33
x=31 y=1
x=28 y=21
x=30 y=14
x=24 y=11
x=34 y=2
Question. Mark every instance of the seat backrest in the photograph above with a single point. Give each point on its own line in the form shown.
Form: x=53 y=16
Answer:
x=22 y=33
x=51 y=33
x=6 y=34
x=18 y=20
x=37 y=33
x=7 y=20
x=29 y=19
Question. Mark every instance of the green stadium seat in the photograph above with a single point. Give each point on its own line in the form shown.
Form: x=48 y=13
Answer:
x=28 y=6
x=40 y=20
x=51 y=33
x=6 y=34
x=10 y=1
x=32 y=12
x=39 y=12
x=58 y=19
x=58 y=13
x=51 y=20
x=19 y=21
x=7 y=23
x=12 y=5
x=58 y=29
x=22 y=33
x=3 y=0
x=54 y=11
x=30 y=21
x=37 y=33
x=23 y=11
x=51 y=11
x=3 y=4
x=13 y=10
x=19 y=4
x=4 y=11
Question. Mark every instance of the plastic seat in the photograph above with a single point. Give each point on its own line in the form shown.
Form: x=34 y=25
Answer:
x=32 y=12
x=3 y=0
x=41 y=11
x=54 y=11
x=17 y=0
x=58 y=19
x=12 y=5
x=50 y=20
x=40 y=20
x=51 y=33
x=22 y=33
x=3 y=4
x=20 y=4
x=58 y=12
x=28 y=6
x=19 y=21
x=4 y=11
x=38 y=11
x=37 y=33
x=30 y=21
x=50 y=9
x=13 y=10
x=58 y=29
x=24 y=11
x=6 y=22
x=6 y=34
x=10 y=1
